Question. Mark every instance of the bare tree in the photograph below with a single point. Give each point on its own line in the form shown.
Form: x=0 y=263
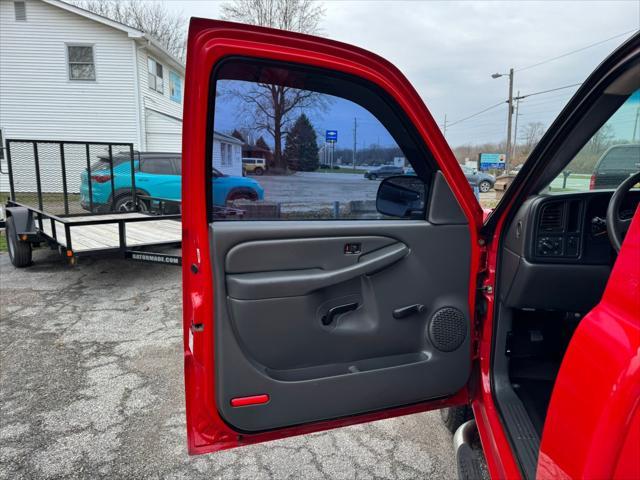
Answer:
x=293 y=15
x=272 y=106
x=601 y=140
x=152 y=17
x=531 y=136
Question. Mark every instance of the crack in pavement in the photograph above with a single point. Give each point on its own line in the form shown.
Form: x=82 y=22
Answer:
x=91 y=386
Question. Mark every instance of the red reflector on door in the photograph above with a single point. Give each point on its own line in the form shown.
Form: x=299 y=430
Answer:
x=253 y=400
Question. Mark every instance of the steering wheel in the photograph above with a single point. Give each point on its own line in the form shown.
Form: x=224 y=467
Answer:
x=616 y=226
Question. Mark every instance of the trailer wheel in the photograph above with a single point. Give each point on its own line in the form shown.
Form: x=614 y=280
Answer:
x=19 y=251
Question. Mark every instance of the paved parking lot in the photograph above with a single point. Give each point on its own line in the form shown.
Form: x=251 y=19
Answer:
x=91 y=387
x=304 y=190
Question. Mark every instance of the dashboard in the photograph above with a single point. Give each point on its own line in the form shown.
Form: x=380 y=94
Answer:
x=557 y=253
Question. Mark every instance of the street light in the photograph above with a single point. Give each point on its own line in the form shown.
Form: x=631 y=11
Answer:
x=509 y=114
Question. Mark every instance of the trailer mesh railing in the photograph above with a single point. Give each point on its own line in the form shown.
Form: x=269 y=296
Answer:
x=70 y=178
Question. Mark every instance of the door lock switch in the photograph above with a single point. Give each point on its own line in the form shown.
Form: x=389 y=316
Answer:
x=352 y=248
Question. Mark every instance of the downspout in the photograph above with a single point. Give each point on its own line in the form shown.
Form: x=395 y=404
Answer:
x=138 y=96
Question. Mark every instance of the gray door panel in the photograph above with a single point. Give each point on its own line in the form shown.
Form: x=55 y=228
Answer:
x=277 y=284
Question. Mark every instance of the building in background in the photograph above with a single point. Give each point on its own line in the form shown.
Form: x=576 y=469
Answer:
x=69 y=74
x=227 y=154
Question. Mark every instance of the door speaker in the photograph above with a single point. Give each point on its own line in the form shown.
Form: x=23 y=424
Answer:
x=447 y=329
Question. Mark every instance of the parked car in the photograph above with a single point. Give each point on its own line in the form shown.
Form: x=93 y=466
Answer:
x=156 y=175
x=484 y=181
x=616 y=164
x=384 y=172
x=524 y=320
x=256 y=166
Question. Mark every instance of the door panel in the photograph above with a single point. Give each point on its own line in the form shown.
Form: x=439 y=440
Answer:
x=271 y=338
x=294 y=326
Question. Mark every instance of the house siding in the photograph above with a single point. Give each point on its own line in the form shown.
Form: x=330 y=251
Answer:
x=37 y=99
x=235 y=168
x=153 y=101
x=163 y=133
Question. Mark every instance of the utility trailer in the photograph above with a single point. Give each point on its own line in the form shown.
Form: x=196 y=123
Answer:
x=81 y=199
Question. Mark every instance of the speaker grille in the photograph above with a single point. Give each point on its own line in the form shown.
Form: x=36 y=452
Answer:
x=447 y=329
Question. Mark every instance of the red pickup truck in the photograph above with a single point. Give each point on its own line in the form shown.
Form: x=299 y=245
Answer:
x=528 y=318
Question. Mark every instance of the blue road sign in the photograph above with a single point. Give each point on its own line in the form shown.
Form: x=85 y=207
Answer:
x=490 y=161
x=331 y=136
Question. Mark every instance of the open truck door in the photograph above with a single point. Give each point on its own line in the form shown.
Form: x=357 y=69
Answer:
x=295 y=324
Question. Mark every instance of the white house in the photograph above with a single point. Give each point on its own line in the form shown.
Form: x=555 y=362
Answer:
x=227 y=154
x=69 y=74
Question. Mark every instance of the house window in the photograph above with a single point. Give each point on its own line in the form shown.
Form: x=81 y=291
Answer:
x=156 y=77
x=1 y=145
x=81 y=63
x=175 y=87
x=20 y=11
x=225 y=154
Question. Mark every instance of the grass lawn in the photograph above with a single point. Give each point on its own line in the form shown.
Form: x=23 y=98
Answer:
x=3 y=242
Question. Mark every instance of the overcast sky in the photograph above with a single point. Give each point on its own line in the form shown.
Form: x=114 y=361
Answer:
x=449 y=50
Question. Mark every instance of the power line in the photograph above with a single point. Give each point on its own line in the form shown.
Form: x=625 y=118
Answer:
x=476 y=114
x=576 y=51
x=484 y=110
x=548 y=91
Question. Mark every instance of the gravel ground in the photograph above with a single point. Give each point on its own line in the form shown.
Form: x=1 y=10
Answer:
x=91 y=387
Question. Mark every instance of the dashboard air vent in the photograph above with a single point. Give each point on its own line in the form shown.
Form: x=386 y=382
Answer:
x=551 y=217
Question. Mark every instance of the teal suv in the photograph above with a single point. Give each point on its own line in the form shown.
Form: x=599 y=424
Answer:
x=157 y=175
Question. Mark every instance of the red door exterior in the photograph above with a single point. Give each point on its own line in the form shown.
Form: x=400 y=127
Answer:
x=209 y=42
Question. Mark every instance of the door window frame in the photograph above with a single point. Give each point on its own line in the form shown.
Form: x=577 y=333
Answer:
x=426 y=170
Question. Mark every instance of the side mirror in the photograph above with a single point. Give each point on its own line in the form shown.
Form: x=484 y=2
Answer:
x=402 y=196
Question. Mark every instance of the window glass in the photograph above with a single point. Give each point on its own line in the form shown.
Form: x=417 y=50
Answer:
x=328 y=142
x=610 y=155
x=175 y=87
x=155 y=75
x=81 y=64
x=20 y=11
x=162 y=166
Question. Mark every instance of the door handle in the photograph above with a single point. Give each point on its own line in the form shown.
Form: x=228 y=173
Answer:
x=408 y=310
x=335 y=311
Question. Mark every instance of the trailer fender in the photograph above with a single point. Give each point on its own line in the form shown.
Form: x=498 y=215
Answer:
x=22 y=219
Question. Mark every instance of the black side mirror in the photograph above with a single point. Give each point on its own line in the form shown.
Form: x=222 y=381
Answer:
x=402 y=196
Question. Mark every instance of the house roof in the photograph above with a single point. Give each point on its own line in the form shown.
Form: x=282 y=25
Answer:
x=138 y=35
x=227 y=138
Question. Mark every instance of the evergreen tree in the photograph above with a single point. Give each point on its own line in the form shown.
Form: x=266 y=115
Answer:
x=239 y=136
x=301 y=149
x=262 y=143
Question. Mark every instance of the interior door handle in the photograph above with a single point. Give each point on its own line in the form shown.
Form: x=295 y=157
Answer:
x=335 y=311
x=408 y=310
x=291 y=283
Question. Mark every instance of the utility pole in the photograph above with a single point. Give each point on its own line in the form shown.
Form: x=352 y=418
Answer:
x=355 y=136
x=509 y=115
x=509 y=121
x=515 y=129
x=444 y=126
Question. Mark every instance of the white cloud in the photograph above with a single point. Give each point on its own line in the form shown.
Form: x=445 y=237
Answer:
x=448 y=50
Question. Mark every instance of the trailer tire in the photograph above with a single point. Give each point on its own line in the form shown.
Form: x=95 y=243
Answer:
x=20 y=252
